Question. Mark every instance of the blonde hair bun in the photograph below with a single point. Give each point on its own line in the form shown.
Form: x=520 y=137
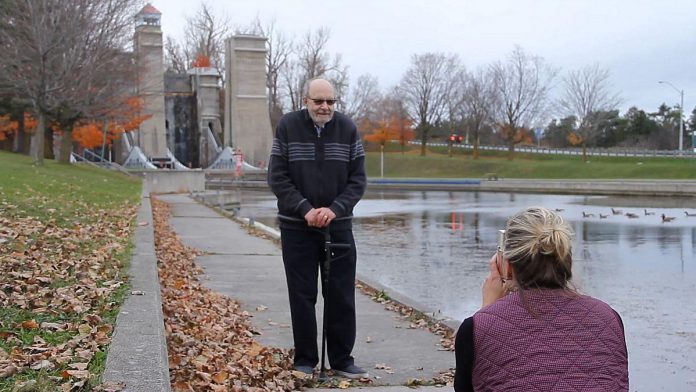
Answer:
x=538 y=242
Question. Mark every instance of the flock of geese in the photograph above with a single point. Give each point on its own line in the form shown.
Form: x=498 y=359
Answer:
x=633 y=215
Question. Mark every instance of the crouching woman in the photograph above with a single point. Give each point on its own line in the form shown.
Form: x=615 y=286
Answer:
x=535 y=332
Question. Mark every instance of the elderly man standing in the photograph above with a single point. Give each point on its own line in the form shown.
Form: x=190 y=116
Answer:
x=317 y=173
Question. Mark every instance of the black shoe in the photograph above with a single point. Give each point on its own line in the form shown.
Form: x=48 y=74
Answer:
x=306 y=369
x=352 y=372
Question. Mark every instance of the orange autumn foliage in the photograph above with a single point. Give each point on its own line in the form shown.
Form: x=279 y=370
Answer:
x=9 y=126
x=574 y=139
x=391 y=129
x=516 y=135
x=89 y=135
x=202 y=61
x=5 y=126
x=126 y=117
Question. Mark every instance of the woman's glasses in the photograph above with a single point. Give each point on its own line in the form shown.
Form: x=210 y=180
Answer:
x=329 y=102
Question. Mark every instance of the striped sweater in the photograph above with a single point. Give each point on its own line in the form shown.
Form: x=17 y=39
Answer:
x=310 y=170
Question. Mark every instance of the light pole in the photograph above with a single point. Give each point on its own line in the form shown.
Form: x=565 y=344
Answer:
x=681 y=113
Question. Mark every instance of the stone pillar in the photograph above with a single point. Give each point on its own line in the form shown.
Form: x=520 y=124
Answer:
x=206 y=89
x=152 y=136
x=247 y=123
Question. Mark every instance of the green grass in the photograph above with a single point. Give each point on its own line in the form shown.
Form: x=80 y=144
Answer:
x=437 y=164
x=61 y=191
x=65 y=196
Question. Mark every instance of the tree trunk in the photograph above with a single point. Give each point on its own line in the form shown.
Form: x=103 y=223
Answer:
x=48 y=144
x=511 y=150
x=22 y=143
x=475 y=154
x=584 y=152
x=424 y=138
x=36 y=151
x=103 y=146
x=381 y=160
x=65 y=145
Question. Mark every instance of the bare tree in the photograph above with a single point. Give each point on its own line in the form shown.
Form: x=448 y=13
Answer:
x=522 y=85
x=293 y=82
x=66 y=58
x=206 y=31
x=476 y=101
x=586 y=96
x=310 y=59
x=393 y=108
x=279 y=49
x=175 y=57
x=338 y=76
x=453 y=120
x=363 y=98
x=426 y=88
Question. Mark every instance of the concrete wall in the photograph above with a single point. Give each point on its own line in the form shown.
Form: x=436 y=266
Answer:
x=679 y=188
x=595 y=187
x=175 y=83
x=207 y=89
x=150 y=61
x=247 y=123
x=138 y=350
x=180 y=115
x=173 y=181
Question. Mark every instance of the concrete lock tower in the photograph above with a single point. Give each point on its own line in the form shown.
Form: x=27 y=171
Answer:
x=247 y=123
x=204 y=82
x=149 y=55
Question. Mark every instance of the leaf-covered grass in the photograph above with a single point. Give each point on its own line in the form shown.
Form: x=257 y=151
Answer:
x=65 y=238
x=437 y=164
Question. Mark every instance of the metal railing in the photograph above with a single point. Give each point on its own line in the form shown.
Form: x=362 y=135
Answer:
x=97 y=161
x=607 y=152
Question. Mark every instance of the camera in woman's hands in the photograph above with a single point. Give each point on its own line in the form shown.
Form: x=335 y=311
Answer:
x=502 y=267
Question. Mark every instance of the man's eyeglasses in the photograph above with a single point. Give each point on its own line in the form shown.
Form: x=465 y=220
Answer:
x=329 y=102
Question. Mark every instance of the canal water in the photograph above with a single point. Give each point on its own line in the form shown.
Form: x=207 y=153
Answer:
x=433 y=247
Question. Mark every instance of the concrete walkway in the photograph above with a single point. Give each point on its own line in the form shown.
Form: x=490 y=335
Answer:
x=249 y=269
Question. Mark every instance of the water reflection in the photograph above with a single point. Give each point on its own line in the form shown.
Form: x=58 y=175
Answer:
x=433 y=247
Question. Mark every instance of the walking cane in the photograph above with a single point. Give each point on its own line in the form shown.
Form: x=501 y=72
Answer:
x=326 y=268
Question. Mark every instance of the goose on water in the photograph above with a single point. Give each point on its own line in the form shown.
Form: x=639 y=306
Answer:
x=666 y=219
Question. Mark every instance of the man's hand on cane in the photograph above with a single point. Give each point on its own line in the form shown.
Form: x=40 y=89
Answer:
x=324 y=217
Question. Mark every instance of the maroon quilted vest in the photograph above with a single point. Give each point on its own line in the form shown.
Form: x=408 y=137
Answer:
x=575 y=343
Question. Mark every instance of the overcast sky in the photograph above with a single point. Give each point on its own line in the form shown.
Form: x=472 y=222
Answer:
x=641 y=42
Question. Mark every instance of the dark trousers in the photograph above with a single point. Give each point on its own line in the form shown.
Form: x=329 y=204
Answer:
x=303 y=252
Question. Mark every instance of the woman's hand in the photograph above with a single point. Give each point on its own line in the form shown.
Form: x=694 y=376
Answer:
x=494 y=287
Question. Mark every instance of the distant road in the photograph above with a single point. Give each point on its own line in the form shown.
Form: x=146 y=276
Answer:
x=606 y=152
